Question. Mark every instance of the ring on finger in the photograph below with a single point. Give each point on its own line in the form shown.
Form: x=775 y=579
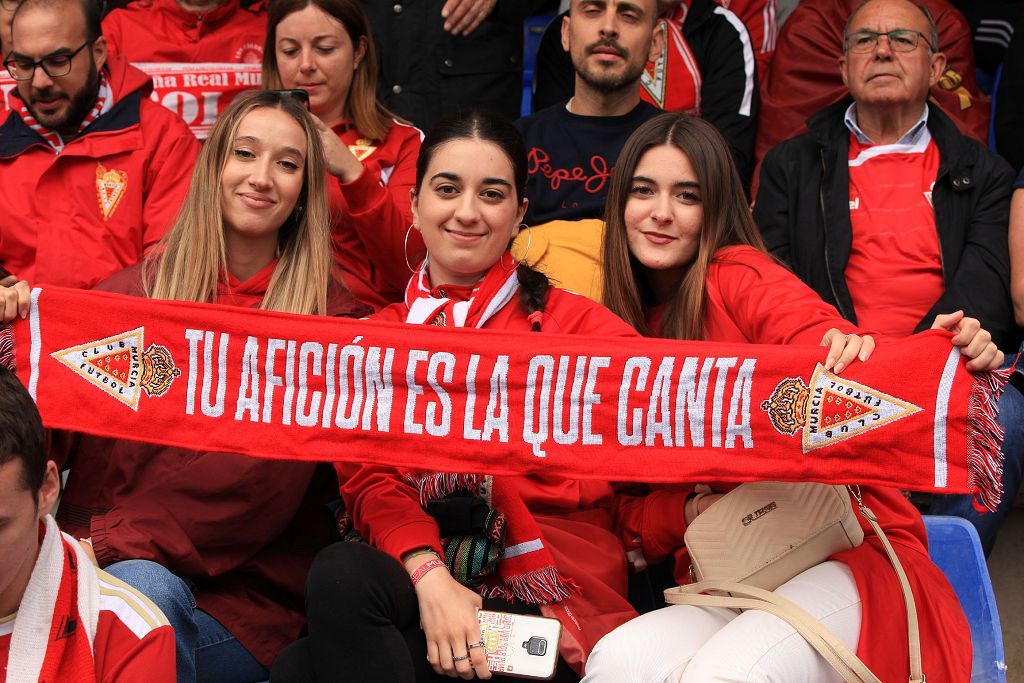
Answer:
x=460 y=659
x=479 y=644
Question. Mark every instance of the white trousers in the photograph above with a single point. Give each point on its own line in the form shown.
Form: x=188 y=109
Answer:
x=685 y=643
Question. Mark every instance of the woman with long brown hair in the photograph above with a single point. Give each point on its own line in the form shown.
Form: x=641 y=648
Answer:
x=683 y=260
x=325 y=48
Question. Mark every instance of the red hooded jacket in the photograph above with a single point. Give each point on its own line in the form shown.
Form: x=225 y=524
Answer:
x=161 y=31
x=744 y=291
x=73 y=218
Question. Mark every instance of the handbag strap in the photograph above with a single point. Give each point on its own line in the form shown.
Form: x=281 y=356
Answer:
x=743 y=596
x=833 y=650
x=913 y=628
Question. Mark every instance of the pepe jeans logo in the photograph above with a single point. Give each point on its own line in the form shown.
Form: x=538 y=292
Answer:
x=831 y=409
x=760 y=512
x=119 y=367
x=110 y=187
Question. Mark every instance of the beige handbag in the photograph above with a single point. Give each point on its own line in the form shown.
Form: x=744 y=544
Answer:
x=764 y=534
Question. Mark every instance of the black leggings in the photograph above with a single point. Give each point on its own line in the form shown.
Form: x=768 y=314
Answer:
x=364 y=624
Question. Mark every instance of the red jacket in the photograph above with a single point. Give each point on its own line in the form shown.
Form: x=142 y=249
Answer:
x=243 y=530
x=751 y=299
x=803 y=77
x=161 y=31
x=73 y=218
x=130 y=644
x=371 y=215
x=576 y=523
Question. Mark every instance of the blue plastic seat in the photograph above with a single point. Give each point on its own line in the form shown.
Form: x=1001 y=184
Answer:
x=954 y=546
x=533 y=30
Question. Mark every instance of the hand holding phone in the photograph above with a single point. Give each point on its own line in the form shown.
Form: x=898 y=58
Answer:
x=520 y=645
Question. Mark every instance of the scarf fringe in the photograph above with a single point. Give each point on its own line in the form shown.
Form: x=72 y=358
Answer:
x=442 y=484
x=985 y=437
x=7 y=356
x=540 y=587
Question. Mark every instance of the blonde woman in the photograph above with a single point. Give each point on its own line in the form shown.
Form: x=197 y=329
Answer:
x=220 y=542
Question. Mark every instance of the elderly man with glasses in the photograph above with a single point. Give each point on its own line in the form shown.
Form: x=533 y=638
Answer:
x=892 y=215
x=93 y=171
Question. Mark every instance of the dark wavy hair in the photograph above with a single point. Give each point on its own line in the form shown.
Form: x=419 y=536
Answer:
x=21 y=432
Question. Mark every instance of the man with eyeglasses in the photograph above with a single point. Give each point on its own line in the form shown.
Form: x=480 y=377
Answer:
x=93 y=171
x=892 y=215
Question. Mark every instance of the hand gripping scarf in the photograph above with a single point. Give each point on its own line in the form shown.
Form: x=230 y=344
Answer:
x=433 y=399
x=526 y=569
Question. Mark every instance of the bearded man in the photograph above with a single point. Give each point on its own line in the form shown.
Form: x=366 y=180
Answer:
x=573 y=145
x=93 y=171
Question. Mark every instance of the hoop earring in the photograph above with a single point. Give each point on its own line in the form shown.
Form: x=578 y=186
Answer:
x=529 y=242
x=405 y=249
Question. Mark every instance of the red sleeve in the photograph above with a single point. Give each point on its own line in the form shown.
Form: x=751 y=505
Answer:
x=173 y=150
x=386 y=510
x=769 y=304
x=652 y=523
x=123 y=657
x=377 y=216
x=213 y=513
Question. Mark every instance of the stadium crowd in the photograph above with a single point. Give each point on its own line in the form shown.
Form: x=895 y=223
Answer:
x=683 y=169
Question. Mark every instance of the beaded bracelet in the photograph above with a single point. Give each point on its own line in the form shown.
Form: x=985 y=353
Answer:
x=422 y=570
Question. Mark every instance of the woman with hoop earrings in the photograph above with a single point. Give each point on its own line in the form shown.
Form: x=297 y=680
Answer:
x=392 y=609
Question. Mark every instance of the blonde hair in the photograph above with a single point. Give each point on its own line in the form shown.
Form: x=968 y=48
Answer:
x=371 y=118
x=726 y=221
x=191 y=260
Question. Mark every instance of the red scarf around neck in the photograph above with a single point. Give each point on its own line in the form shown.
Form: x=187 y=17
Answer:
x=527 y=570
x=58 y=615
x=276 y=385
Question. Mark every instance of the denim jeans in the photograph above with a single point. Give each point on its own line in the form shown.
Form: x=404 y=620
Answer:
x=1011 y=417
x=205 y=650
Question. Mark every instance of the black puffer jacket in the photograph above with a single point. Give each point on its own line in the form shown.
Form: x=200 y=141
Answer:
x=802 y=209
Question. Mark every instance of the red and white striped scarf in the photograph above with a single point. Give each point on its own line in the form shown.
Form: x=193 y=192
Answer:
x=527 y=570
x=52 y=137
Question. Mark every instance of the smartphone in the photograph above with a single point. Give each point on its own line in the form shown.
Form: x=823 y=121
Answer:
x=520 y=645
x=298 y=93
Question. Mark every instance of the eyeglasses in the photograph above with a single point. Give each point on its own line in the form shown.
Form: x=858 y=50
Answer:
x=900 y=40
x=55 y=66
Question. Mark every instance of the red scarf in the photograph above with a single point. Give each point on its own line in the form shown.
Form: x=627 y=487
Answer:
x=672 y=82
x=57 y=618
x=276 y=385
x=52 y=137
x=527 y=570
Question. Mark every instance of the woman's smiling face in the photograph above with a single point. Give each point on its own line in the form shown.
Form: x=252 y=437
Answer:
x=467 y=210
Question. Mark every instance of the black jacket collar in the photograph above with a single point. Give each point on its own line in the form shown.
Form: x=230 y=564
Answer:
x=16 y=137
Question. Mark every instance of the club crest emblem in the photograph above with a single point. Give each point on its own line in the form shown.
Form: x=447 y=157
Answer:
x=831 y=409
x=362 y=148
x=119 y=367
x=653 y=77
x=110 y=187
